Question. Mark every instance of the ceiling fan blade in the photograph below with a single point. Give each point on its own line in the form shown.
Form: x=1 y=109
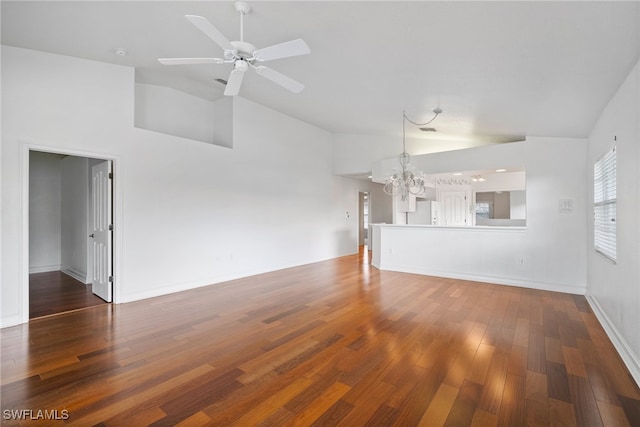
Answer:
x=187 y=61
x=235 y=79
x=282 y=50
x=207 y=27
x=281 y=79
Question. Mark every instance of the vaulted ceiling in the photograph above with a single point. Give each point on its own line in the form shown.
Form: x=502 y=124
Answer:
x=499 y=70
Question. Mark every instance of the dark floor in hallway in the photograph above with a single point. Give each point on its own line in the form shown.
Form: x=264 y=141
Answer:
x=55 y=292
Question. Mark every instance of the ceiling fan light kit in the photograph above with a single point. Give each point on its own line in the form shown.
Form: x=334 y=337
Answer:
x=244 y=55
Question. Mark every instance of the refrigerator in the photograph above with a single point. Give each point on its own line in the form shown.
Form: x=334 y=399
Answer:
x=427 y=212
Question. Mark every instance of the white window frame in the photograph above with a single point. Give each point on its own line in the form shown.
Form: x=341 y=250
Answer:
x=604 y=204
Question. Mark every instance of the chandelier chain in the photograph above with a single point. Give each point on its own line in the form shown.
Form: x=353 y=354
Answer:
x=436 y=113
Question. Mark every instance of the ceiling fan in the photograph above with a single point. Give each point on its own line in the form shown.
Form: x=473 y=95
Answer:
x=244 y=55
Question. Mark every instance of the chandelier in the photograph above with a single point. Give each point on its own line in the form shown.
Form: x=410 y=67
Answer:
x=406 y=181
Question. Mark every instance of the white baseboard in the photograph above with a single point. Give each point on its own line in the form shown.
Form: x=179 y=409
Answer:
x=11 y=321
x=76 y=275
x=630 y=359
x=579 y=289
x=44 y=268
x=179 y=287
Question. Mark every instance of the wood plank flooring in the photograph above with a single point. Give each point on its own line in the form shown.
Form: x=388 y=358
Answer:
x=330 y=343
x=55 y=292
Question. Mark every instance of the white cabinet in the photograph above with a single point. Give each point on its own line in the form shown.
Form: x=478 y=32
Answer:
x=426 y=212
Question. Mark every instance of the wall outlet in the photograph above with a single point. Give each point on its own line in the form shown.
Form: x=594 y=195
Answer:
x=565 y=206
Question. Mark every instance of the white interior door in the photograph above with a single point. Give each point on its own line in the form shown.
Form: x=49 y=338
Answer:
x=102 y=226
x=454 y=207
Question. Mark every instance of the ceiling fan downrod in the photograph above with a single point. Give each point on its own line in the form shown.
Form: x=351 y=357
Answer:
x=242 y=8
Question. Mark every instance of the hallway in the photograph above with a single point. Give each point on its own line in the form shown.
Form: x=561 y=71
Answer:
x=54 y=292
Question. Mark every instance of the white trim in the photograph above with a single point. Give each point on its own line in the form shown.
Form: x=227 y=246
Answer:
x=181 y=287
x=185 y=286
x=81 y=277
x=490 y=228
x=578 y=289
x=23 y=283
x=630 y=359
x=44 y=268
x=11 y=321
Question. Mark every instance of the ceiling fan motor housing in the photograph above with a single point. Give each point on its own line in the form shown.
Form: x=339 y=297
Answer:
x=244 y=50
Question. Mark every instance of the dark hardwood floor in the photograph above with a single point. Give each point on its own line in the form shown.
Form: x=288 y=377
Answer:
x=330 y=343
x=55 y=292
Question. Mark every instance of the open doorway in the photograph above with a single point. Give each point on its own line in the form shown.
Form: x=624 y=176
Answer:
x=364 y=201
x=69 y=207
x=363 y=218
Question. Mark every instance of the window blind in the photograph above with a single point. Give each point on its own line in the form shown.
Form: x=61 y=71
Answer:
x=604 y=199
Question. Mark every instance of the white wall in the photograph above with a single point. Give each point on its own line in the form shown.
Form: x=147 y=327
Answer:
x=614 y=289
x=223 y=121
x=518 y=204
x=553 y=245
x=170 y=111
x=75 y=193
x=380 y=205
x=188 y=214
x=45 y=207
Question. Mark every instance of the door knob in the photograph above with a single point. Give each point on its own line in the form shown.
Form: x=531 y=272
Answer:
x=92 y=235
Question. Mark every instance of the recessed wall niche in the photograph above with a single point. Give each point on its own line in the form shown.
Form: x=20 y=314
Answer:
x=171 y=111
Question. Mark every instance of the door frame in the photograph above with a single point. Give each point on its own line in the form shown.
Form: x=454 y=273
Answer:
x=27 y=147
